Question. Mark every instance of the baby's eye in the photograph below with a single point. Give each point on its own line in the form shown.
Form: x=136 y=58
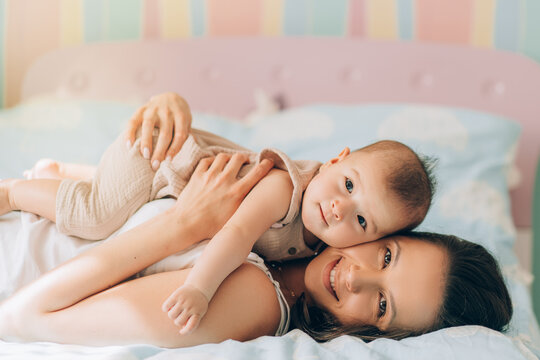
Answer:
x=387 y=257
x=361 y=221
x=349 y=185
x=382 y=306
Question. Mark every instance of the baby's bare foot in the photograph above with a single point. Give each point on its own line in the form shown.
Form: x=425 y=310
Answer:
x=6 y=203
x=45 y=169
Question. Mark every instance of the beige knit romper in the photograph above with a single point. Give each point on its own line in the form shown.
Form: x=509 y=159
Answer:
x=124 y=181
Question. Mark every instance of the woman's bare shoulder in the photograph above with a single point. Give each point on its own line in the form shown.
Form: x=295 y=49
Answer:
x=244 y=308
x=248 y=302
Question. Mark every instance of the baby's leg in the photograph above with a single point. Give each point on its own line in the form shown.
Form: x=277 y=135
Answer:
x=94 y=208
x=5 y=196
x=36 y=196
x=52 y=169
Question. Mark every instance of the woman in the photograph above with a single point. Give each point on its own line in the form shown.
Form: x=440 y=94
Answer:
x=397 y=286
x=458 y=283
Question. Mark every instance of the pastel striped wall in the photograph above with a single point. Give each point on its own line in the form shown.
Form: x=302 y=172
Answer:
x=30 y=28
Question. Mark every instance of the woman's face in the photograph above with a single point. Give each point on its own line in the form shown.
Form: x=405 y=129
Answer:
x=393 y=283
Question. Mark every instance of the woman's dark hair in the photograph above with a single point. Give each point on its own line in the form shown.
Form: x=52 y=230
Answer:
x=474 y=294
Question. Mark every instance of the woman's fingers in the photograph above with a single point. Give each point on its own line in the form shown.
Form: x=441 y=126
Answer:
x=182 y=125
x=149 y=119
x=214 y=190
x=203 y=166
x=133 y=126
x=228 y=166
x=219 y=163
x=235 y=164
x=245 y=184
x=171 y=114
x=163 y=141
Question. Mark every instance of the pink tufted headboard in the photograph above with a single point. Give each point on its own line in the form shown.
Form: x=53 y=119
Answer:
x=221 y=74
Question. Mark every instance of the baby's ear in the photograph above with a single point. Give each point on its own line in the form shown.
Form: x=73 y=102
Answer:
x=342 y=155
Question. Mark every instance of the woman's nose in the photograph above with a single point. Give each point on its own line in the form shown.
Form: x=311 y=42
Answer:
x=358 y=279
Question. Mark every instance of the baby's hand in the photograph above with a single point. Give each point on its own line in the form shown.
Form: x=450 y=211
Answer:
x=186 y=306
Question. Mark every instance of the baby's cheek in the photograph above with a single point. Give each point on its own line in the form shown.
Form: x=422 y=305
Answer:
x=343 y=239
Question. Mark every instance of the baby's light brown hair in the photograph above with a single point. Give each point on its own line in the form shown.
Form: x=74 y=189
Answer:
x=409 y=177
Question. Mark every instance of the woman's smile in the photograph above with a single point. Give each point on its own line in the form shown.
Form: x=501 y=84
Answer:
x=329 y=277
x=334 y=277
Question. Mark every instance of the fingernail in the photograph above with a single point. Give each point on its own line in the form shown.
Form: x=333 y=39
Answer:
x=155 y=164
x=128 y=144
x=169 y=158
x=146 y=153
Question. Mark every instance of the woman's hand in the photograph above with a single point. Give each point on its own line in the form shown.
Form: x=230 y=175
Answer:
x=212 y=195
x=171 y=114
x=214 y=192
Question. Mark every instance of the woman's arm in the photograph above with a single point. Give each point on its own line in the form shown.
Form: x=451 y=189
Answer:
x=130 y=313
x=266 y=204
x=211 y=194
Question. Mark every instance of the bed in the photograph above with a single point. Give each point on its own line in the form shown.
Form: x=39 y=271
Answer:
x=476 y=110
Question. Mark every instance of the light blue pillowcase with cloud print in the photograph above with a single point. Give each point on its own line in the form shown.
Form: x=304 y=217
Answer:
x=70 y=131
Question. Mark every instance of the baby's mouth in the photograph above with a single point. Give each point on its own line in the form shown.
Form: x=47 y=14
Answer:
x=322 y=215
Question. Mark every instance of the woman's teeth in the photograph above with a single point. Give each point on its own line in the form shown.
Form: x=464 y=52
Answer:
x=332 y=278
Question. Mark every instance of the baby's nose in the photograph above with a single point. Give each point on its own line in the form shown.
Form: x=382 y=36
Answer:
x=337 y=209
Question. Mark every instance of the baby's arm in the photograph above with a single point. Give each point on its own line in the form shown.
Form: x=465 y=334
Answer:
x=267 y=203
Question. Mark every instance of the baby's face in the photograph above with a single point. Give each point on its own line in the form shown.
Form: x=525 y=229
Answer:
x=348 y=203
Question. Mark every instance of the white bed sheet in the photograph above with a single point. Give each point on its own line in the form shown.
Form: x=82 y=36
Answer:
x=31 y=245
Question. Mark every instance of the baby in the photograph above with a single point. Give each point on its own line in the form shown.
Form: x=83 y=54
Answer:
x=353 y=198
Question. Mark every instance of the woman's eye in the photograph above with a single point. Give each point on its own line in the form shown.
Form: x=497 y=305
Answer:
x=387 y=258
x=349 y=185
x=382 y=306
x=361 y=221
